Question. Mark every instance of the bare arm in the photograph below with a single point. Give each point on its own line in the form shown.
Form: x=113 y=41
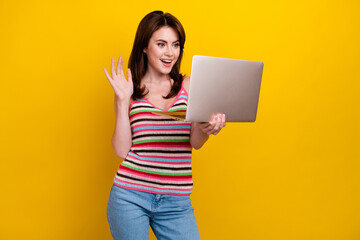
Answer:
x=200 y=131
x=197 y=136
x=122 y=138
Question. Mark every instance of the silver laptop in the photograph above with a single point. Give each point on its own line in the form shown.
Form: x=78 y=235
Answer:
x=222 y=85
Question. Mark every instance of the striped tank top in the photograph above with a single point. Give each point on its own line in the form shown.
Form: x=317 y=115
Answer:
x=159 y=160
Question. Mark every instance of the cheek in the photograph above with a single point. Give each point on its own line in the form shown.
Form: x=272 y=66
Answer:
x=154 y=53
x=177 y=54
x=157 y=53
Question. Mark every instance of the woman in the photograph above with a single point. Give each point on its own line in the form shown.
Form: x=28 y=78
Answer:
x=153 y=183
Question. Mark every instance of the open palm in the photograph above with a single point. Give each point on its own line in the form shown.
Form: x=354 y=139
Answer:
x=123 y=88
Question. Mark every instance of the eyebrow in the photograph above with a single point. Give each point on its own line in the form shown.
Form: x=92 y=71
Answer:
x=161 y=40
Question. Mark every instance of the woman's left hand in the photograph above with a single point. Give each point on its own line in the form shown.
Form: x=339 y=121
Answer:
x=214 y=126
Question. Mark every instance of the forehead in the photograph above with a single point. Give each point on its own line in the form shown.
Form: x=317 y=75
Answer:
x=165 y=33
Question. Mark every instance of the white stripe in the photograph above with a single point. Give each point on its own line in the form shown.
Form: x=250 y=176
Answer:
x=147 y=154
x=159 y=170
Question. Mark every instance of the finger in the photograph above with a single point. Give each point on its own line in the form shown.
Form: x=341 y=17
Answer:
x=204 y=124
x=216 y=119
x=113 y=74
x=119 y=68
x=213 y=119
x=107 y=75
x=129 y=75
x=223 y=121
x=217 y=124
x=210 y=126
x=201 y=125
x=109 y=78
x=216 y=128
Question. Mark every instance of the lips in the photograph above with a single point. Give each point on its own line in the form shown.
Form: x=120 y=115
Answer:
x=166 y=62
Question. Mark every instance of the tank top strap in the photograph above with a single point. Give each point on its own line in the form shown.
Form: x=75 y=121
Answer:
x=182 y=89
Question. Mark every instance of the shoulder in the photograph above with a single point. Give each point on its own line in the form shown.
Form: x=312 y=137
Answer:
x=186 y=83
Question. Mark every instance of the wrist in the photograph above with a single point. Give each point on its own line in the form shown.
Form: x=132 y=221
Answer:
x=122 y=103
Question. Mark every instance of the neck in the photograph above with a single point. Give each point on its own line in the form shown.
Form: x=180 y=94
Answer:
x=154 y=76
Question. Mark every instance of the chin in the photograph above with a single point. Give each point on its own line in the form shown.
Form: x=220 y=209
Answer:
x=161 y=69
x=165 y=71
x=168 y=72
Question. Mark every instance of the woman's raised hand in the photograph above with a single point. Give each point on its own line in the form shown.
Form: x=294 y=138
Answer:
x=123 y=88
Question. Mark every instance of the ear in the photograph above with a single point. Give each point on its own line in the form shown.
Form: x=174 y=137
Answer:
x=144 y=50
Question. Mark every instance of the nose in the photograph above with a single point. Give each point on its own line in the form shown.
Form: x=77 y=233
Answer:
x=169 y=51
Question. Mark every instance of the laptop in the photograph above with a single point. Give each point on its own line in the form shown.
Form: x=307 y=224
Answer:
x=222 y=85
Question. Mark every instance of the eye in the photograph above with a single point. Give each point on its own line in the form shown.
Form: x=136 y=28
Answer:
x=161 y=44
x=176 y=45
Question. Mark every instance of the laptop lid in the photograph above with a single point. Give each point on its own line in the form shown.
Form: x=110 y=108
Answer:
x=223 y=85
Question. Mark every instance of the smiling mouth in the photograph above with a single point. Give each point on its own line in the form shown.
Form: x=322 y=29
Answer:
x=166 y=63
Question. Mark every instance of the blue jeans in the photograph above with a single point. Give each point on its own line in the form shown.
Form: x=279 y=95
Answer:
x=130 y=212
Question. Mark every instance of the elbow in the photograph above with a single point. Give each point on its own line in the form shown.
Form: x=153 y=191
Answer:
x=121 y=153
x=196 y=146
x=197 y=143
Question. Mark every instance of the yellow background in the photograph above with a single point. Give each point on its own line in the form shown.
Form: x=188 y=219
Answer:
x=293 y=174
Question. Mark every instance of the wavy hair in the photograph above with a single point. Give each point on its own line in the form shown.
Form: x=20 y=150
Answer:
x=138 y=59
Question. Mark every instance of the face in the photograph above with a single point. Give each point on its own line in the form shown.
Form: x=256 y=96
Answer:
x=163 y=50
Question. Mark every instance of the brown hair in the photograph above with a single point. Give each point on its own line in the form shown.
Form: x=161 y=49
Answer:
x=138 y=59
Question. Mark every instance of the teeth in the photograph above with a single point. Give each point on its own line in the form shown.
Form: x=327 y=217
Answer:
x=167 y=61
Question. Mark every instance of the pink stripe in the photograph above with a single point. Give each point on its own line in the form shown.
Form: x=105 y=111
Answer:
x=152 y=176
x=143 y=190
x=142 y=185
x=135 y=125
x=165 y=125
x=146 y=146
x=162 y=130
x=135 y=148
x=164 y=157
x=183 y=88
x=169 y=157
x=146 y=114
x=172 y=145
x=131 y=105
